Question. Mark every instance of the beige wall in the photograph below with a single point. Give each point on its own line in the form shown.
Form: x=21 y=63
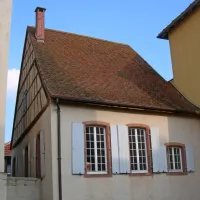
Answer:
x=5 y=20
x=23 y=189
x=156 y=187
x=42 y=124
x=185 y=47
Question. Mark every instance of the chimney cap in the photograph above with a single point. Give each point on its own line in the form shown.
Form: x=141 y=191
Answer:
x=40 y=9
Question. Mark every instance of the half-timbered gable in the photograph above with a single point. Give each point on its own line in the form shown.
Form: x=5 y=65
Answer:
x=31 y=97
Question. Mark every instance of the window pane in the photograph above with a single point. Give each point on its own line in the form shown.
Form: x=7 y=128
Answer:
x=88 y=145
x=91 y=129
x=102 y=130
x=102 y=137
x=103 y=167
x=87 y=137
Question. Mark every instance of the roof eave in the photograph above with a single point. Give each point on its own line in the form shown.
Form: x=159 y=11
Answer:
x=127 y=106
x=163 y=35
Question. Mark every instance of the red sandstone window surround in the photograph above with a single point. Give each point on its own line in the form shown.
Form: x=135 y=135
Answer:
x=97 y=149
x=140 y=149
x=176 y=158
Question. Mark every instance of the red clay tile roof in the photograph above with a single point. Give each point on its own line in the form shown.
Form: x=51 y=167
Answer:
x=193 y=6
x=7 y=150
x=75 y=67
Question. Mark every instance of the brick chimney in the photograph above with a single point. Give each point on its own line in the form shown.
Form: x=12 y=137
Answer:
x=39 y=34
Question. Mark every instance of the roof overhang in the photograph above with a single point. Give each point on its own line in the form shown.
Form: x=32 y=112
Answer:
x=165 y=32
x=113 y=105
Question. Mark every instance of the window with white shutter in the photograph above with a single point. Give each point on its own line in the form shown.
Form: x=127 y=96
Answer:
x=114 y=149
x=77 y=148
x=124 y=158
x=190 y=159
x=91 y=149
x=159 y=157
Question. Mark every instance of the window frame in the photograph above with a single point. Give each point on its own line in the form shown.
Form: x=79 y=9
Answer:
x=148 y=172
x=183 y=158
x=108 y=149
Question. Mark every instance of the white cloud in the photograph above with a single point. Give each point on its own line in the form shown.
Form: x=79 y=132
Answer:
x=12 y=81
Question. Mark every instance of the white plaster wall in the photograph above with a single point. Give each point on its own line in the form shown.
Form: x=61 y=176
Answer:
x=23 y=189
x=156 y=187
x=44 y=123
x=5 y=20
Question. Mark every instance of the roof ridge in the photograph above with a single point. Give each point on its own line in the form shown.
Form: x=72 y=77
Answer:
x=95 y=38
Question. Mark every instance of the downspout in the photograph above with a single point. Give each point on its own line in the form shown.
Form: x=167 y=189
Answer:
x=59 y=151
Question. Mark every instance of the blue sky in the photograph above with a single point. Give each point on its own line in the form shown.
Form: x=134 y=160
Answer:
x=133 y=22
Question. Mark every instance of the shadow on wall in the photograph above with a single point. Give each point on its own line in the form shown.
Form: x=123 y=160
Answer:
x=186 y=131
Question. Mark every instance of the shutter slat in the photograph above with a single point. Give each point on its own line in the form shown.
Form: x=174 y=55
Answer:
x=77 y=148
x=124 y=158
x=190 y=159
x=155 y=145
x=34 y=155
x=114 y=149
x=42 y=153
x=163 y=159
x=29 y=160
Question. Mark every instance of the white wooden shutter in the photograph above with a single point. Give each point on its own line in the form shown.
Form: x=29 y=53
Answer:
x=124 y=158
x=77 y=148
x=190 y=159
x=29 y=160
x=23 y=162
x=114 y=149
x=34 y=155
x=42 y=153
x=155 y=146
x=163 y=159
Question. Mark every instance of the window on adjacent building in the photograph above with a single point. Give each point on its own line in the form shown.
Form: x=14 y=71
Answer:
x=96 y=150
x=26 y=162
x=139 y=150
x=38 y=157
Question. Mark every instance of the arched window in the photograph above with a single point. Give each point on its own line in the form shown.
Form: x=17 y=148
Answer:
x=139 y=147
x=97 y=149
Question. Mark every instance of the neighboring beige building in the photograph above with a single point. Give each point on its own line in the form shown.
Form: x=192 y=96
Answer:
x=94 y=121
x=5 y=21
x=183 y=35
